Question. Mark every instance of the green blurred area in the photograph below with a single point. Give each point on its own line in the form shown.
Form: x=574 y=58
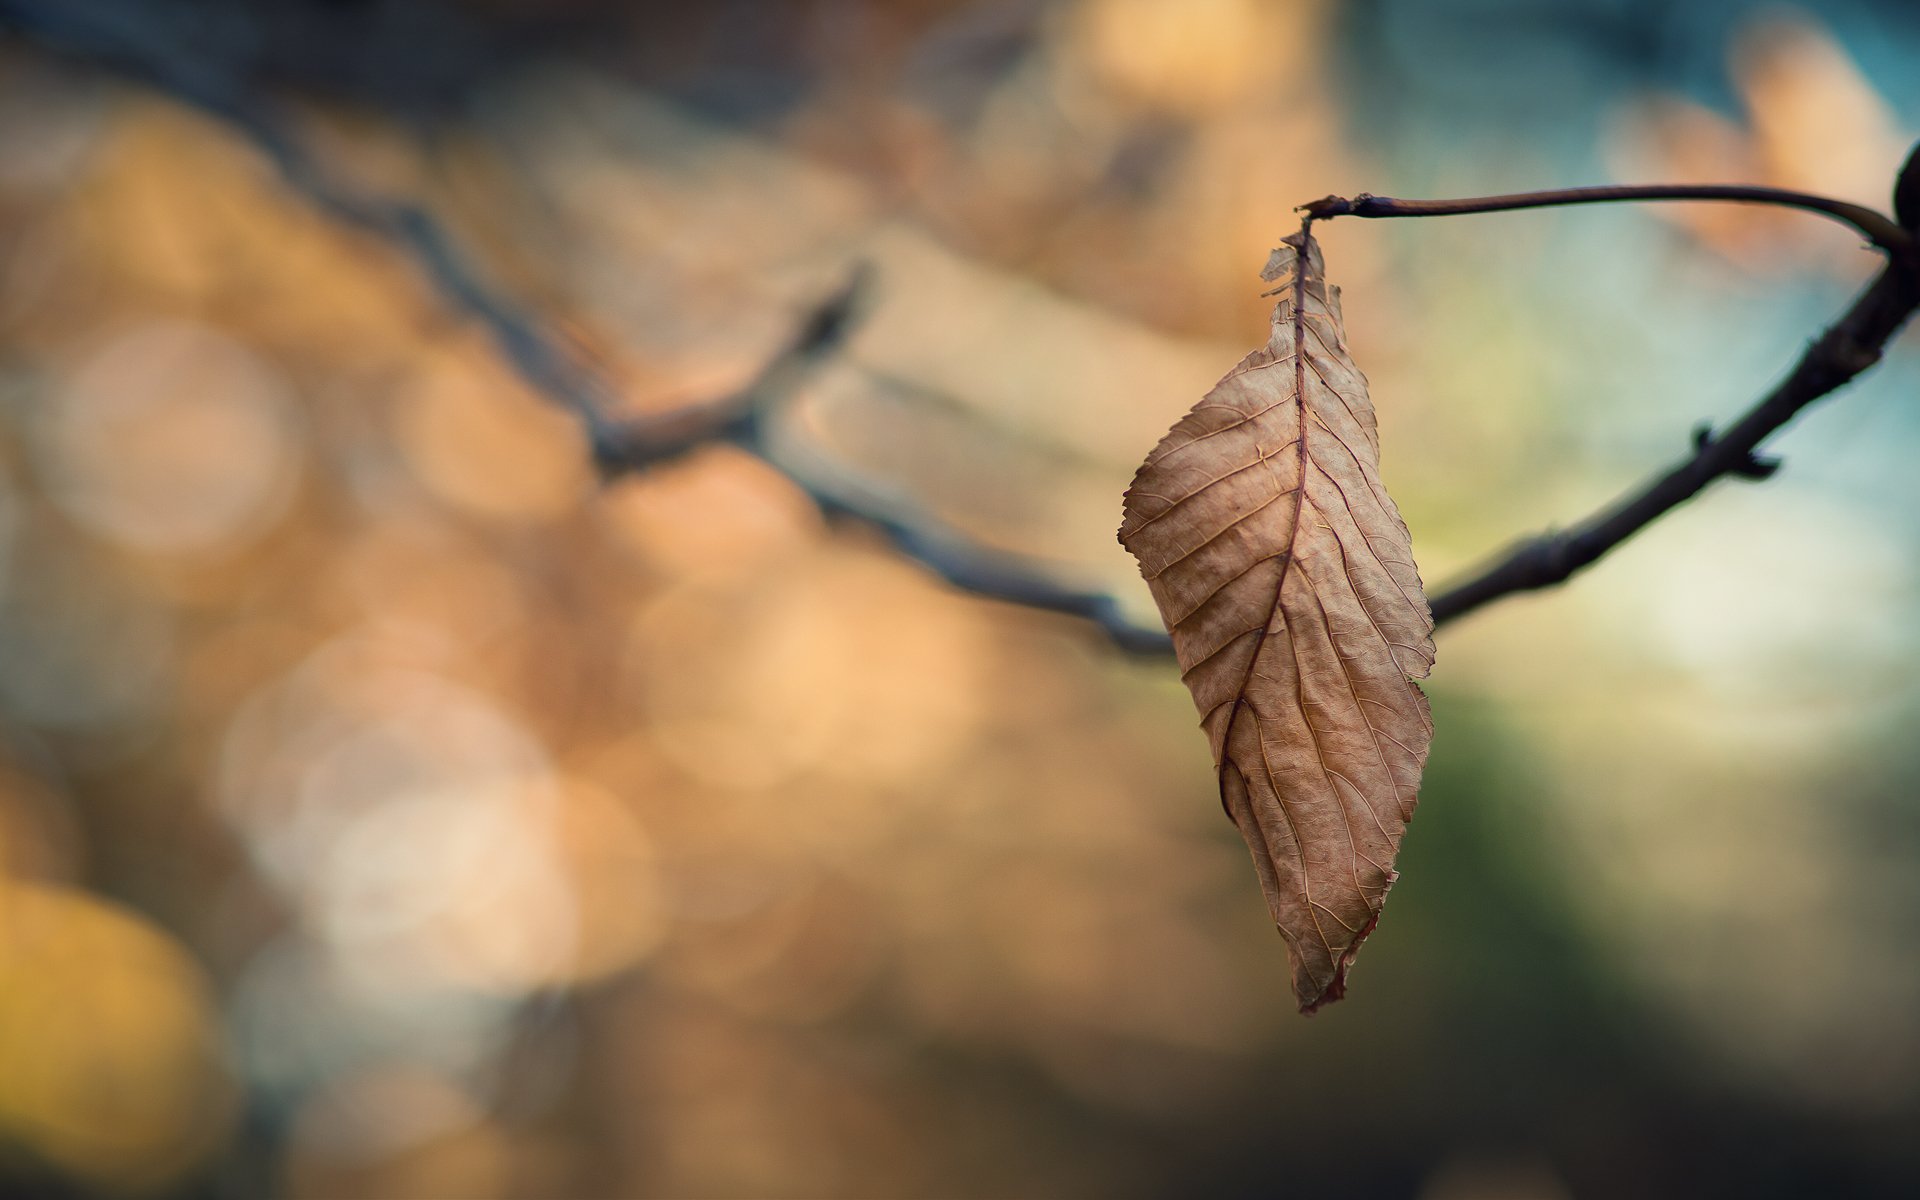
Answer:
x=390 y=808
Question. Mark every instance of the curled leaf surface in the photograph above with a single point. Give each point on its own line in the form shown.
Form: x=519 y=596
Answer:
x=1286 y=578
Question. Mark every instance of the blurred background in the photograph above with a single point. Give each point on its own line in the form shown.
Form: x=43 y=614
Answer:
x=390 y=809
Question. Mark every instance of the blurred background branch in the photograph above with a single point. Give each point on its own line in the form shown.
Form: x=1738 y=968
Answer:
x=146 y=43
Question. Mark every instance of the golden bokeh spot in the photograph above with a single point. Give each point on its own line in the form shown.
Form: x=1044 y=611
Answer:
x=418 y=578
x=112 y=1066
x=721 y=512
x=609 y=864
x=481 y=442
x=1196 y=57
x=173 y=438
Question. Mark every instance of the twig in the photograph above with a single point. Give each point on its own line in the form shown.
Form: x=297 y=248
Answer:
x=1849 y=346
x=1878 y=228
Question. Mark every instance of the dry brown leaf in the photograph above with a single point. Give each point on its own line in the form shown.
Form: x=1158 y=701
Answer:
x=1298 y=619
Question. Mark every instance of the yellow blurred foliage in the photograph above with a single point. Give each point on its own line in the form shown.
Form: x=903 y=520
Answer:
x=110 y=1058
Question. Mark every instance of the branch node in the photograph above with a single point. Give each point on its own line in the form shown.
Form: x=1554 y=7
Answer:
x=1326 y=208
x=1749 y=466
x=829 y=324
x=1850 y=354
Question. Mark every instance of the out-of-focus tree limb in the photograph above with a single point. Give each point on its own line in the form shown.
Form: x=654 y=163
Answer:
x=145 y=42
x=1849 y=346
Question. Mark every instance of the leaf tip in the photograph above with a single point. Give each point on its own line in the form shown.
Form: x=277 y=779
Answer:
x=1280 y=262
x=1313 y=997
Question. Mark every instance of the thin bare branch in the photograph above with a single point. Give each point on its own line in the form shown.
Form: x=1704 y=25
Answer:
x=1878 y=228
x=1849 y=346
x=642 y=442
